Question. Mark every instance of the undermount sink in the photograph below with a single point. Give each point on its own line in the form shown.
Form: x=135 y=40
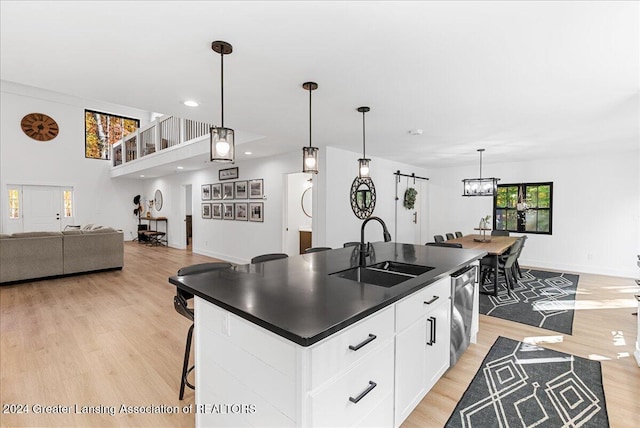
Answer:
x=385 y=274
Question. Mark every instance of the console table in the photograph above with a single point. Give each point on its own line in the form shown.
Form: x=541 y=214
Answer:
x=155 y=236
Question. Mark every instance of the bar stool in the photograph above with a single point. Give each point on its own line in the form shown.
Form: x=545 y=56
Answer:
x=268 y=257
x=316 y=249
x=180 y=305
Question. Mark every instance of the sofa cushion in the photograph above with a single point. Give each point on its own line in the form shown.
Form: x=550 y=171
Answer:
x=35 y=234
x=101 y=230
x=72 y=232
x=4 y=236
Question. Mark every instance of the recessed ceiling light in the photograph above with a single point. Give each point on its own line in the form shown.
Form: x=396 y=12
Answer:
x=180 y=167
x=191 y=103
x=142 y=175
x=248 y=153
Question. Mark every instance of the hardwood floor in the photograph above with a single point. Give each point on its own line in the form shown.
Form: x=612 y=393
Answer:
x=103 y=340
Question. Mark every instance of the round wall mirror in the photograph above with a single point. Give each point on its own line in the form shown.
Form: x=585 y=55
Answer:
x=306 y=202
x=363 y=197
x=157 y=200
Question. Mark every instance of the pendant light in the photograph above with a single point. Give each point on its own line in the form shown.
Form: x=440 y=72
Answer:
x=363 y=163
x=480 y=186
x=310 y=154
x=221 y=138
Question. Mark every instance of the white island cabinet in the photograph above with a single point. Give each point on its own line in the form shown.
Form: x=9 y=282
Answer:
x=372 y=373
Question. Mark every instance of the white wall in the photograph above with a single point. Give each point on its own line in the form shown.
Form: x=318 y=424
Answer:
x=61 y=161
x=297 y=184
x=595 y=210
x=235 y=241
x=334 y=221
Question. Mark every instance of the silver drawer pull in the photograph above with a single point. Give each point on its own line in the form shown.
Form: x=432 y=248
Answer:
x=371 y=338
x=432 y=300
x=363 y=393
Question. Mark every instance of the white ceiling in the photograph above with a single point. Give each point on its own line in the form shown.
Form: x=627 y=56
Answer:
x=524 y=80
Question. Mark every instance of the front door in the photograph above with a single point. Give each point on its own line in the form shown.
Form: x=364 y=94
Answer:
x=42 y=208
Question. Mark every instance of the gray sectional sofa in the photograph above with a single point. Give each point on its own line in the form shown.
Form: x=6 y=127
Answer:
x=32 y=255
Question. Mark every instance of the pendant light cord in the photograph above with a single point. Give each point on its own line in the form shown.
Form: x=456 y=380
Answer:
x=364 y=156
x=310 y=90
x=222 y=88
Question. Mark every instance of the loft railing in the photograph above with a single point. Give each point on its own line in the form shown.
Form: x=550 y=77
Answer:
x=161 y=134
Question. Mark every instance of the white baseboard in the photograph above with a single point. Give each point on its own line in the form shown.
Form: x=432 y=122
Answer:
x=571 y=268
x=220 y=256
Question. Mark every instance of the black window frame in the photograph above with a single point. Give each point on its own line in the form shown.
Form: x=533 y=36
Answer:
x=521 y=222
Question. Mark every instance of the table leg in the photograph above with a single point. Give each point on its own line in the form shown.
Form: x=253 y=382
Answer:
x=495 y=276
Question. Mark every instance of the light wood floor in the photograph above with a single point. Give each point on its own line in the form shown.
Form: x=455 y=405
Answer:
x=113 y=338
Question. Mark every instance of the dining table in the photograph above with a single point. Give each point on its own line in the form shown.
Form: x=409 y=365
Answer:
x=495 y=247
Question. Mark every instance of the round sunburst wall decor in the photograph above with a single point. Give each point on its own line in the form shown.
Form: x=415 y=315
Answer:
x=39 y=126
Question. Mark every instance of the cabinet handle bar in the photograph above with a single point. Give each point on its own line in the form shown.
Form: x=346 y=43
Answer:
x=364 y=342
x=432 y=300
x=363 y=393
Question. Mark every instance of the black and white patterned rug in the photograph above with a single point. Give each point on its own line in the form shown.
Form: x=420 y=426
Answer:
x=541 y=299
x=522 y=385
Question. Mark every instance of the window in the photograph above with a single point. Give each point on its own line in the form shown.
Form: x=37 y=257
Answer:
x=67 y=201
x=102 y=130
x=14 y=203
x=523 y=207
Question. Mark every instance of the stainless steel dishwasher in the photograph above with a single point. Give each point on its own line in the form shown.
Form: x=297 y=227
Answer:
x=463 y=282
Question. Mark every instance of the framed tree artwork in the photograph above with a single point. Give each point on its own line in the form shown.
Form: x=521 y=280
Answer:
x=227 y=211
x=216 y=211
x=205 y=192
x=216 y=191
x=227 y=190
x=241 y=190
x=206 y=210
x=256 y=190
x=241 y=211
x=256 y=211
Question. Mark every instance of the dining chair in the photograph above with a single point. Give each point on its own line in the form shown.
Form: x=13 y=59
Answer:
x=316 y=249
x=351 y=244
x=459 y=235
x=181 y=306
x=444 y=244
x=505 y=266
x=499 y=233
x=438 y=238
x=450 y=236
x=268 y=257
x=517 y=264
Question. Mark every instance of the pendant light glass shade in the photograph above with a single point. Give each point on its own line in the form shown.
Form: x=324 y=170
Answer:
x=310 y=159
x=221 y=139
x=310 y=153
x=363 y=163
x=222 y=144
x=480 y=186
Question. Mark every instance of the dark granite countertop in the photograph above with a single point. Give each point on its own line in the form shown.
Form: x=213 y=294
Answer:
x=298 y=299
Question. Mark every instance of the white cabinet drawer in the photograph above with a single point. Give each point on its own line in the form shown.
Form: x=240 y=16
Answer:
x=409 y=309
x=338 y=352
x=331 y=406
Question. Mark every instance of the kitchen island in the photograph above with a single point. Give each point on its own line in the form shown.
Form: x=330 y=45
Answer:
x=294 y=342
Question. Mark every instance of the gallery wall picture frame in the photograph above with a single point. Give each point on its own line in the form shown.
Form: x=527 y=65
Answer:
x=242 y=211
x=256 y=189
x=227 y=191
x=241 y=189
x=256 y=211
x=228 y=211
x=216 y=211
x=206 y=192
x=216 y=191
x=206 y=210
x=228 y=174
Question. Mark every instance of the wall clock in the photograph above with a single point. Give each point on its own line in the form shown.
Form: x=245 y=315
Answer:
x=39 y=126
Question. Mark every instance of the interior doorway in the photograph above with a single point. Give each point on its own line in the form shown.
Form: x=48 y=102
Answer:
x=188 y=218
x=298 y=209
x=411 y=223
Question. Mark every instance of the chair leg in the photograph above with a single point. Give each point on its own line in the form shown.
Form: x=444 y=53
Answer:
x=518 y=269
x=507 y=282
x=185 y=364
